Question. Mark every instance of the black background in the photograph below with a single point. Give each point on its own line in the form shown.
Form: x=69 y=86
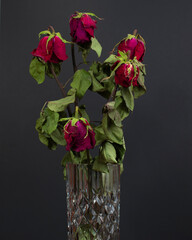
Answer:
x=156 y=186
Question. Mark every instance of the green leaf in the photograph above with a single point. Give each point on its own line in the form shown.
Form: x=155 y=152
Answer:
x=39 y=123
x=96 y=46
x=96 y=85
x=100 y=166
x=121 y=107
x=71 y=92
x=37 y=70
x=112 y=132
x=85 y=232
x=43 y=139
x=61 y=104
x=52 y=145
x=138 y=91
x=121 y=168
x=113 y=113
x=52 y=119
x=98 y=72
x=143 y=69
x=66 y=159
x=75 y=158
x=45 y=125
x=47 y=141
x=111 y=59
x=109 y=86
x=120 y=151
x=107 y=153
x=81 y=82
x=99 y=135
x=56 y=67
x=69 y=157
x=141 y=80
x=141 y=89
x=58 y=137
x=128 y=97
x=116 y=117
x=95 y=68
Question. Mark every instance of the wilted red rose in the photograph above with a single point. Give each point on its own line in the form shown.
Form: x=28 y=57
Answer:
x=82 y=28
x=125 y=75
x=55 y=52
x=135 y=46
x=80 y=136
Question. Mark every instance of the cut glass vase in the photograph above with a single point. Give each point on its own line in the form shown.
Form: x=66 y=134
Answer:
x=93 y=202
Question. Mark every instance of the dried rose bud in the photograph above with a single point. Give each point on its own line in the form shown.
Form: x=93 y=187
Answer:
x=54 y=51
x=82 y=28
x=125 y=75
x=79 y=135
x=135 y=46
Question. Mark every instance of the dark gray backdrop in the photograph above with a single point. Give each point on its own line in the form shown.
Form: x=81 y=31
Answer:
x=156 y=185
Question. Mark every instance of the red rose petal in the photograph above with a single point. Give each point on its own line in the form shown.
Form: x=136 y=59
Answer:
x=42 y=51
x=124 y=75
x=59 y=49
x=88 y=21
x=128 y=45
x=77 y=138
x=139 y=50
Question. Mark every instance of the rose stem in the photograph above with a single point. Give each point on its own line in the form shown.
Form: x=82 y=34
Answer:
x=114 y=93
x=88 y=156
x=135 y=32
x=112 y=96
x=89 y=176
x=73 y=57
x=52 y=29
x=74 y=66
x=60 y=86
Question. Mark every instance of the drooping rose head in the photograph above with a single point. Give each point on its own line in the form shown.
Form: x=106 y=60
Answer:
x=82 y=28
x=54 y=51
x=79 y=135
x=125 y=75
x=135 y=46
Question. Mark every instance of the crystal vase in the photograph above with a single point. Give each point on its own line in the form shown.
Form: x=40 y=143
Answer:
x=93 y=202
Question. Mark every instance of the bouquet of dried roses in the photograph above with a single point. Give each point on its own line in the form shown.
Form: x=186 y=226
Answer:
x=119 y=79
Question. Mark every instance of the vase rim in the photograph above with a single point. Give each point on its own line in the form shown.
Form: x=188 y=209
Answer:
x=86 y=164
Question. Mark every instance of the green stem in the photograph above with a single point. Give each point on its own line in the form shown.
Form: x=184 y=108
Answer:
x=45 y=104
x=67 y=82
x=76 y=112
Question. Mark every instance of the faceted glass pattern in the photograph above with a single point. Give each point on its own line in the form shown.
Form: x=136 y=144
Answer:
x=93 y=203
